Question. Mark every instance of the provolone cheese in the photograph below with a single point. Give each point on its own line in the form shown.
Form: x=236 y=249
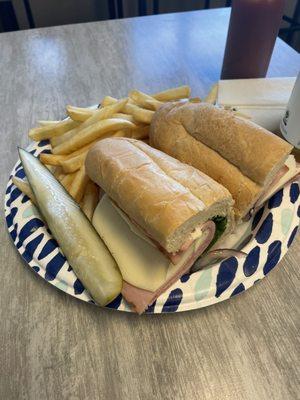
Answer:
x=140 y=263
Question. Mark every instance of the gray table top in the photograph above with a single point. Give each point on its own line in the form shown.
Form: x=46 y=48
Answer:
x=53 y=346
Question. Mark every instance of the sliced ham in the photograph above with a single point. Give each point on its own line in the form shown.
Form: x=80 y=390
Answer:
x=140 y=299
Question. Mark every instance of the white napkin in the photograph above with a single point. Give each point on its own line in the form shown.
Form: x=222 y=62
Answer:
x=263 y=99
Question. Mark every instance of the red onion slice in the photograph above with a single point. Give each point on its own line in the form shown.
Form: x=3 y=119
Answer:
x=215 y=256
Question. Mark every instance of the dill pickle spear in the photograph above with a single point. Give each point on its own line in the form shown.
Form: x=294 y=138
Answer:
x=85 y=251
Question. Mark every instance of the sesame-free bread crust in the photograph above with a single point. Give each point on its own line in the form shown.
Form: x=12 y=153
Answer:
x=165 y=197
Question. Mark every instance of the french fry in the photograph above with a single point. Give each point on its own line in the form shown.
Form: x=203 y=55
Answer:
x=124 y=116
x=140 y=132
x=79 y=114
x=99 y=115
x=51 y=159
x=24 y=186
x=144 y=100
x=67 y=180
x=212 y=95
x=46 y=123
x=78 y=185
x=51 y=168
x=52 y=130
x=91 y=133
x=138 y=113
x=73 y=164
x=58 y=172
x=90 y=199
x=108 y=101
x=177 y=93
x=122 y=133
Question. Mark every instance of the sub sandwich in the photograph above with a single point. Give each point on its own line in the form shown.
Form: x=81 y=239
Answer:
x=251 y=162
x=158 y=215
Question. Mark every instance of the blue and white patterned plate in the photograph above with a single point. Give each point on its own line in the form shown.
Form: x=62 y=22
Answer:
x=273 y=228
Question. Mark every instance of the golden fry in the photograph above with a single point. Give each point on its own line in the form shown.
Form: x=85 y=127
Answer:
x=144 y=100
x=51 y=168
x=212 y=95
x=124 y=116
x=46 y=123
x=99 y=115
x=67 y=180
x=108 y=101
x=78 y=185
x=73 y=164
x=180 y=92
x=52 y=130
x=90 y=199
x=91 y=133
x=24 y=186
x=79 y=113
x=138 y=113
x=51 y=159
x=58 y=172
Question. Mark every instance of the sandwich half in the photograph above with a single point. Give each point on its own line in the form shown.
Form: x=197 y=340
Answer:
x=251 y=162
x=157 y=211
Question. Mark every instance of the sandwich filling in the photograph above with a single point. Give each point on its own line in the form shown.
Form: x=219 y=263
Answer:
x=219 y=228
x=147 y=271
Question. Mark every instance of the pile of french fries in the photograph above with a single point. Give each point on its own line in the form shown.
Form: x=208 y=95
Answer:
x=71 y=138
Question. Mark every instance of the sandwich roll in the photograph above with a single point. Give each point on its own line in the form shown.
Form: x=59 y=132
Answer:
x=168 y=200
x=237 y=153
x=157 y=216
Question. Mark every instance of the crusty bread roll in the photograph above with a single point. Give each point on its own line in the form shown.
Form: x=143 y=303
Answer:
x=235 y=152
x=165 y=197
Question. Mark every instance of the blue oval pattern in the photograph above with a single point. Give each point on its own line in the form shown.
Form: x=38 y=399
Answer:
x=151 y=308
x=33 y=244
x=276 y=199
x=265 y=230
x=173 y=301
x=28 y=229
x=294 y=192
x=292 y=236
x=226 y=275
x=43 y=143
x=239 y=289
x=25 y=198
x=50 y=246
x=10 y=217
x=274 y=252
x=20 y=173
x=53 y=266
x=115 y=303
x=14 y=194
x=251 y=262
x=78 y=287
x=185 y=278
x=257 y=217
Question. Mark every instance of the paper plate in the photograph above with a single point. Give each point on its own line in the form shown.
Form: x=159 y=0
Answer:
x=273 y=230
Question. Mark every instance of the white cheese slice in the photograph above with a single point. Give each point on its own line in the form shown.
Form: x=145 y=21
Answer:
x=293 y=169
x=140 y=263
